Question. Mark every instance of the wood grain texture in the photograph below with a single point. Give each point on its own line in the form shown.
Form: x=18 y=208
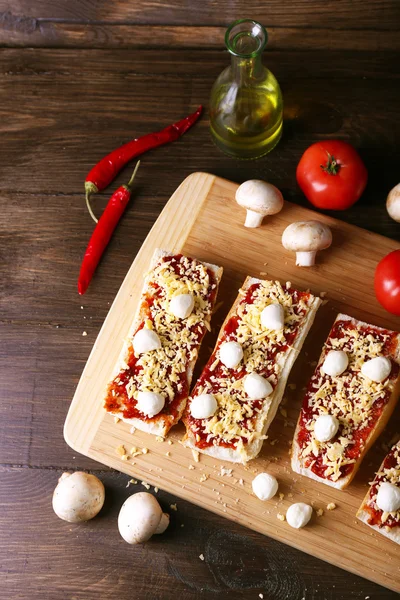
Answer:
x=201 y=220
x=61 y=110
x=376 y=15
x=20 y=32
x=95 y=562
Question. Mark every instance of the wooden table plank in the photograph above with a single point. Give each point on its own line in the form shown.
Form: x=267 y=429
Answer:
x=358 y=14
x=17 y=32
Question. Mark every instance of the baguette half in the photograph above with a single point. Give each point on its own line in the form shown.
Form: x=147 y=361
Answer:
x=361 y=406
x=388 y=524
x=224 y=436
x=174 y=337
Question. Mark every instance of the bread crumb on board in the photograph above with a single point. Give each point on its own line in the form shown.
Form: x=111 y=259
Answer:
x=120 y=450
x=116 y=419
x=280 y=517
x=320 y=512
x=196 y=455
x=173 y=507
x=331 y=506
x=201 y=556
x=84 y=333
x=224 y=471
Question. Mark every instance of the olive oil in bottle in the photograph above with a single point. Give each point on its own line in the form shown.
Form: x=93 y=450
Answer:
x=246 y=102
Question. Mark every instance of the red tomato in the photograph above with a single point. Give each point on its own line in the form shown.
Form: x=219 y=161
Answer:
x=332 y=175
x=387 y=282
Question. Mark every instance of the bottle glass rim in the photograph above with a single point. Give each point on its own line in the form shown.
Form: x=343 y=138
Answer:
x=262 y=37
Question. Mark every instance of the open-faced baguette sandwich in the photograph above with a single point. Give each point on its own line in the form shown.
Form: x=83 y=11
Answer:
x=348 y=401
x=151 y=381
x=237 y=395
x=381 y=506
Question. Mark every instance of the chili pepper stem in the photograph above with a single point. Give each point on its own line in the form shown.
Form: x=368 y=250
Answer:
x=90 y=188
x=128 y=186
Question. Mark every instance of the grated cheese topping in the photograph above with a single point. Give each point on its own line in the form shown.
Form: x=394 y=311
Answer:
x=390 y=472
x=352 y=398
x=236 y=420
x=164 y=370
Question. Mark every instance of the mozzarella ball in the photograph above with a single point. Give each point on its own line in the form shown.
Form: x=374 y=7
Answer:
x=182 y=306
x=264 y=486
x=335 y=363
x=230 y=354
x=150 y=403
x=203 y=406
x=78 y=497
x=377 y=369
x=325 y=427
x=388 y=497
x=273 y=317
x=257 y=387
x=146 y=340
x=298 y=515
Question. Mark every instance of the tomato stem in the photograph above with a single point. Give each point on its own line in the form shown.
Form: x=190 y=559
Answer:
x=332 y=166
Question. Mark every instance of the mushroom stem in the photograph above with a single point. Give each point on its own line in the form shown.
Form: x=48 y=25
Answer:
x=253 y=219
x=305 y=259
x=163 y=524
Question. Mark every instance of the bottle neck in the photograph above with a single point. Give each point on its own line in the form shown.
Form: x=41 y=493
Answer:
x=246 y=69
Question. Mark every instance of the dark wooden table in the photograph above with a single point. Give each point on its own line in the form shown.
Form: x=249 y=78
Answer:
x=77 y=78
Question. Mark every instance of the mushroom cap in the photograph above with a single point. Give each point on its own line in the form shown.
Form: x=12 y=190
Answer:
x=78 y=497
x=260 y=197
x=306 y=236
x=393 y=203
x=139 y=518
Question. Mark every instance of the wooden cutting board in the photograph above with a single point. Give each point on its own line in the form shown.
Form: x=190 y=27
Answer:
x=202 y=220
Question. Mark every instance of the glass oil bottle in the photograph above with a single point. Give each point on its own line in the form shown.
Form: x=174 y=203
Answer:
x=246 y=104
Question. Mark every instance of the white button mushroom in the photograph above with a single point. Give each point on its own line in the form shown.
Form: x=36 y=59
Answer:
x=150 y=403
x=230 y=354
x=182 y=306
x=388 y=497
x=298 y=515
x=325 y=428
x=335 y=363
x=260 y=199
x=203 y=406
x=140 y=517
x=273 y=317
x=257 y=387
x=377 y=369
x=146 y=340
x=264 y=486
x=306 y=238
x=393 y=203
x=78 y=497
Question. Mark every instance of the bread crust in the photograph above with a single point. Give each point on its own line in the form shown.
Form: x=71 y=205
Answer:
x=297 y=462
x=363 y=515
x=162 y=424
x=252 y=449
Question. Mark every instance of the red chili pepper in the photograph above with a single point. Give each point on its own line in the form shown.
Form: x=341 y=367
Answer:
x=103 y=232
x=106 y=170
